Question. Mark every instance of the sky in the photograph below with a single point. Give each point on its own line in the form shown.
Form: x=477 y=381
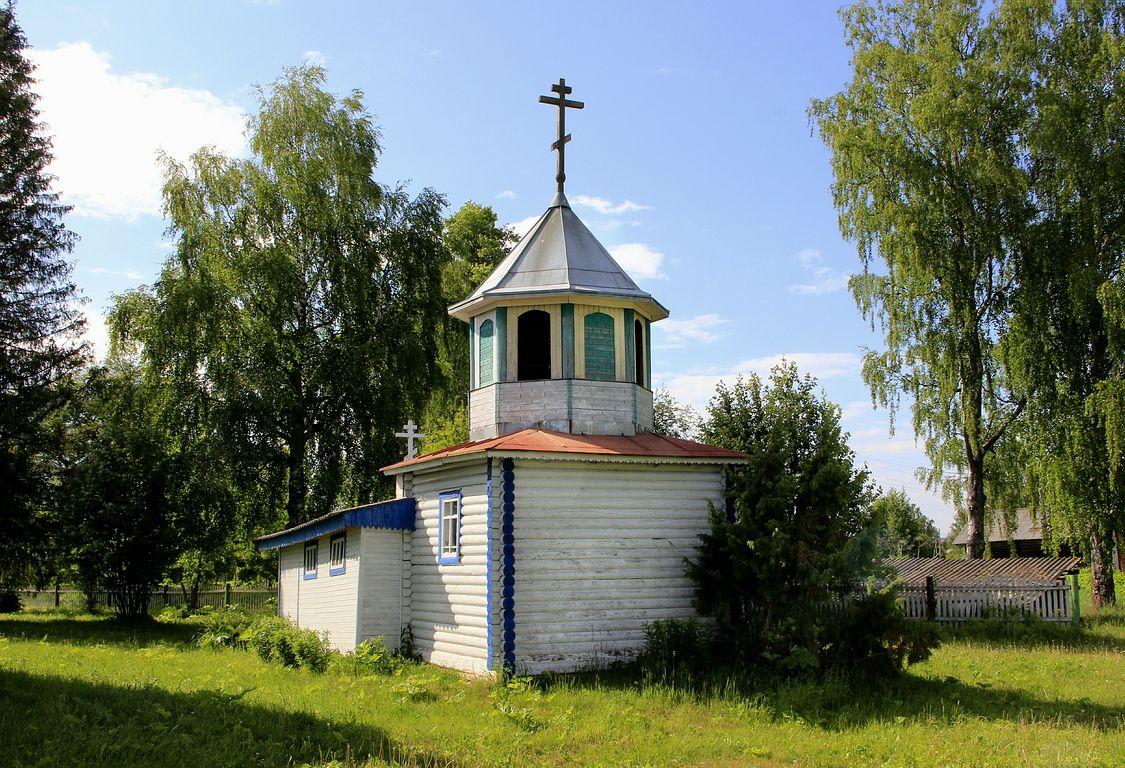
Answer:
x=693 y=161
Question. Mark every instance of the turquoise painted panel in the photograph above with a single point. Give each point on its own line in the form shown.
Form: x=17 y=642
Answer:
x=630 y=352
x=568 y=341
x=598 y=337
x=501 y=343
x=486 y=356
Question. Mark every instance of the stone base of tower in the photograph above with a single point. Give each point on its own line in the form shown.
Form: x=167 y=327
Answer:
x=577 y=406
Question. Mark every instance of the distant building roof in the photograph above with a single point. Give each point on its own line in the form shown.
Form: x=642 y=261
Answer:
x=1015 y=570
x=1025 y=529
x=558 y=258
x=558 y=445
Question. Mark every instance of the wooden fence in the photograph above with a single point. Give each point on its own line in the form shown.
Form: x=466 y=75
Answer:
x=213 y=595
x=964 y=602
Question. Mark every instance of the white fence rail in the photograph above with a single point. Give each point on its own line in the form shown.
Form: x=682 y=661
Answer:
x=957 y=603
x=215 y=596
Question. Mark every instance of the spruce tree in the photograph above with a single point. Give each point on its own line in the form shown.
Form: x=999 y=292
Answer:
x=39 y=320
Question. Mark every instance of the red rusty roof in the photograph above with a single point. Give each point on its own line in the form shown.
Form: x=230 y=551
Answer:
x=542 y=441
x=1005 y=570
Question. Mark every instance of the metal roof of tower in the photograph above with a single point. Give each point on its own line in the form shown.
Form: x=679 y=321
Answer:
x=558 y=259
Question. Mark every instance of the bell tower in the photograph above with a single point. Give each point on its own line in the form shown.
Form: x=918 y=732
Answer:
x=559 y=333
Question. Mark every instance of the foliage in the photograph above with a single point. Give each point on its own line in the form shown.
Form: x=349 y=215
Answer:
x=40 y=325
x=298 y=313
x=903 y=530
x=476 y=244
x=276 y=639
x=224 y=628
x=121 y=533
x=675 y=649
x=10 y=602
x=928 y=183
x=797 y=528
x=1071 y=268
x=672 y=418
x=873 y=635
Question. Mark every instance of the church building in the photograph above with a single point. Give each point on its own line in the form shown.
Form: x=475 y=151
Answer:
x=550 y=539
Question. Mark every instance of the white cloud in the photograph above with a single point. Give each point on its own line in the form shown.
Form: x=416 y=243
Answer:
x=107 y=129
x=639 y=261
x=315 y=57
x=129 y=274
x=696 y=388
x=823 y=279
x=523 y=226
x=96 y=334
x=507 y=194
x=674 y=332
x=607 y=208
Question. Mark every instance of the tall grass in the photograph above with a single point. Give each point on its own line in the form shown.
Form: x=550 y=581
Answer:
x=89 y=692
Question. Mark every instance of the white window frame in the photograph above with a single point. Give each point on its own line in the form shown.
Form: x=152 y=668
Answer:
x=449 y=527
x=338 y=545
x=312 y=557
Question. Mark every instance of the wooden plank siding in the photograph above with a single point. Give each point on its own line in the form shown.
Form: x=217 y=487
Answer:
x=599 y=553
x=380 y=585
x=326 y=603
x=448 y=603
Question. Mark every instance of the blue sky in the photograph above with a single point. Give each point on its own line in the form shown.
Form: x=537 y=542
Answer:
x=693 y=161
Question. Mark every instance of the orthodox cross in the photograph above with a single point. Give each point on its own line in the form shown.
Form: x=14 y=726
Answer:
x=410 y=434
x=562 y=102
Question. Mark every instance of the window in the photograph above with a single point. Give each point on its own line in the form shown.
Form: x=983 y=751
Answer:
x=486 y=330
x=534 y=331
x=311 y=557
x=601 y=364
x=449 y=527
x=337 y=552
x=639 y=352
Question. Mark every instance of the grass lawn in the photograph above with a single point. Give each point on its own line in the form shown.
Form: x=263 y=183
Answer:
x=85 y=691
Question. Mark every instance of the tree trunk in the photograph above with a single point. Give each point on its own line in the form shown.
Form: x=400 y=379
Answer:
x=974 y=503
x=298 y=488
x=1101 y=570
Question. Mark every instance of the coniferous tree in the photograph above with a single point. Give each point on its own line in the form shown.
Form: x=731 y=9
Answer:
x=39 y=322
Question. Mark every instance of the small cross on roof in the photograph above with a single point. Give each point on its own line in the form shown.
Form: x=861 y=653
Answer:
x=562 y=102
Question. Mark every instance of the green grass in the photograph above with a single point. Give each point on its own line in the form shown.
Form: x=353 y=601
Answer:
x=87 y=691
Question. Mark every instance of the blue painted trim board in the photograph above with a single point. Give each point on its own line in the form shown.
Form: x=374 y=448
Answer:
x=393 y=515
x=489 y=538
x=508 y=592
x=472 y=353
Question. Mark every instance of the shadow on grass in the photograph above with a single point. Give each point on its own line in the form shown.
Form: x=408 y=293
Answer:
x=84 y=629
x=843 y=702
x=1096 y=634
x=54 y=721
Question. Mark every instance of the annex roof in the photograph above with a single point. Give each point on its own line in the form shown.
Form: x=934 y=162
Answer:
x=1005 y=570
x=394 y=515
x=542 y=443
x=559 y=258
x=1025 y=529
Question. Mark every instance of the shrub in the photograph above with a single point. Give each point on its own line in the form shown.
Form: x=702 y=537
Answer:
x=10 y=602
x=673 y=648
x=276 y=639
x=873 y=636
x=224 y=628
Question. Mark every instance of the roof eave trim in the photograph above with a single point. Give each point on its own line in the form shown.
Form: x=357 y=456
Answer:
x=509 y=453
x=392 y=515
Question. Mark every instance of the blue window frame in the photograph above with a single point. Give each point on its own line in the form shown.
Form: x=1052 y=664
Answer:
x=337 y=554
x=449 y=527
x=312 y=556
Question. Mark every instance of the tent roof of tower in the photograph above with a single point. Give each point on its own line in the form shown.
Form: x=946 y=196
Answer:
x=559 y=259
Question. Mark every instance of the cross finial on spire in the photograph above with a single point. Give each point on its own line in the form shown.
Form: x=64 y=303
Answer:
x=411 y=434
x=562 y=102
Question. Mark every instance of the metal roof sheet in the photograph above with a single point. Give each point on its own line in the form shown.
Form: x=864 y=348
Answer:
x=543 y=441
x=1009 y=570
x=558 y=255
x=394 y=515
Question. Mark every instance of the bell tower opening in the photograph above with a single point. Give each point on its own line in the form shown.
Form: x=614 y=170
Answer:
x=533 y=331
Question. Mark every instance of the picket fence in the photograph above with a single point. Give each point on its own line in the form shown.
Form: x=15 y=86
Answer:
x=1016 y=602
x=213 y=595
